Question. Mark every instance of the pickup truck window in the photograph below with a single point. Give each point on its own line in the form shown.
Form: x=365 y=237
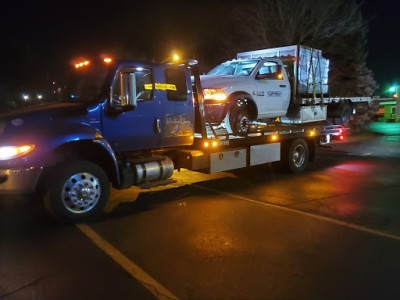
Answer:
x=268 y=68
x=178 y=79
x=241 y=68
x=144 y=85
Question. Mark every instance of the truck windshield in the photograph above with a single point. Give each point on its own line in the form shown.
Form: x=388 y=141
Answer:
x=86 y=84
x=241 y=68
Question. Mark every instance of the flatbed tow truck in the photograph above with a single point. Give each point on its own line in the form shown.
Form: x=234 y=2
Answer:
x=130 y=124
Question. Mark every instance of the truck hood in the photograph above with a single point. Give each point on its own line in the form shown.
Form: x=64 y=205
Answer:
x=41 y=116
x=222 y=81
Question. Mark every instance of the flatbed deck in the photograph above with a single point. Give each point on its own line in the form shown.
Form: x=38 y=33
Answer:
x=267 y=133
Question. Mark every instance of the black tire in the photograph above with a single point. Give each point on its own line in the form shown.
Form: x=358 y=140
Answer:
x=344 y=116
x=78 y=193
x=237 y=121
x=294 y=158
x=238 y=118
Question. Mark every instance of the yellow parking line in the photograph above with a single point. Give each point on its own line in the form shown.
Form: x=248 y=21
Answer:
x=135 y=271
x=299 y=212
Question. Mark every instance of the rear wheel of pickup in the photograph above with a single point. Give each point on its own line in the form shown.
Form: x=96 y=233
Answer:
x=344 y=115
x=78 y=193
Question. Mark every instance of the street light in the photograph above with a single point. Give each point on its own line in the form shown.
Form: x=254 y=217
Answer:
x=174 y=58
x=25 y=96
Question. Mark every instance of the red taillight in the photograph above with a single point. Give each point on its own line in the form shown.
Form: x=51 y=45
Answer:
x=340 y=130
x=341 y=137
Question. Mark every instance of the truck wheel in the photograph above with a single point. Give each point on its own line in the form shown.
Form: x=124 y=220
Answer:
x=298 y=156
x=237 y=120
x=78 y=193
x=294 y=157
x=344 y=116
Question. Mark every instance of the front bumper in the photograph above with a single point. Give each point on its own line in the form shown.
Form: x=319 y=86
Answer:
x=214 y=111
x=19 y=180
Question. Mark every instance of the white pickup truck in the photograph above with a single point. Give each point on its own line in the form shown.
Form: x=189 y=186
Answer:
x=290 y=83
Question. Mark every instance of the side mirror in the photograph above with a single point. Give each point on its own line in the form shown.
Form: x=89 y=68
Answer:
x=128 y=91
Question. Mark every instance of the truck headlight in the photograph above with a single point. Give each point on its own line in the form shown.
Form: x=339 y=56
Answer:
x=214 y=94
x=8 y=152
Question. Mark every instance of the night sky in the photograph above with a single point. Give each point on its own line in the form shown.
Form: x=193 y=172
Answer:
x=40 y=37
x=383 y=45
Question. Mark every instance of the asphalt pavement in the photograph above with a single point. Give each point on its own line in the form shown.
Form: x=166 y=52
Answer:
x=330 y=233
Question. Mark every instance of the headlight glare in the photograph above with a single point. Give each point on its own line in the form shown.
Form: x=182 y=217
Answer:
x=214 y=94
x=9 y=152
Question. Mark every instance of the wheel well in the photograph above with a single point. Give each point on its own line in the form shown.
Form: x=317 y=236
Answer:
x=250 y=104
x=82 y=150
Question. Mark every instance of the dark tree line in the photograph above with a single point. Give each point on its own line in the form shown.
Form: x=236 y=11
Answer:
x=210 y=31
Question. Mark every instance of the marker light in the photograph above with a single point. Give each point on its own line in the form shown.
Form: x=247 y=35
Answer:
x=8 y=152
x=312 y=133
x=274 y=137
x=107 y=60
x=214 y=144
x=214 y=94
x=206 y=144
x=280 y=76
x=79 y=65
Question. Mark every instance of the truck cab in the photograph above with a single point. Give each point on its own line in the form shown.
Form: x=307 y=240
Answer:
x=162 y=112
x=114 y=117
x=243 y=90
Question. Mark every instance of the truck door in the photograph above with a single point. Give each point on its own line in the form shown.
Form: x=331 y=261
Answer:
x=178 y=111
x=138 y=128
x=272 y=90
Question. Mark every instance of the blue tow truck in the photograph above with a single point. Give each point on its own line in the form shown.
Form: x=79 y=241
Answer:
x=125 y=124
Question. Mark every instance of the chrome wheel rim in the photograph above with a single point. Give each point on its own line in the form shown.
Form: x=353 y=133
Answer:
x=299 y=155
x=81 y=192
x=243 y=124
